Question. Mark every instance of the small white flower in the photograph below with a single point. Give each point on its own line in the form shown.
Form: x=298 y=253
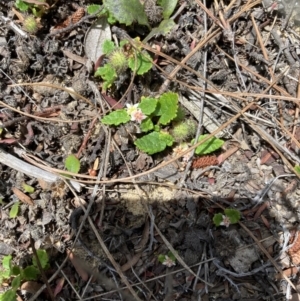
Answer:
x=169 y=262
x=131 y=108
x=226 y=221
x=138 y=116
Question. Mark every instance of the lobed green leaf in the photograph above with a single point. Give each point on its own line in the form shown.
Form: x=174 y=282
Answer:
x=147 y=125
x=116 y=117
x=164 y=28
x=127 y=11
x=148 y=105
x=15 y=284
x=217 y=219
x=168 y=7
x=9 y=295
x=21 y=5
x=167 y=138
x=72 y=164
x=15 y=270
x=43 y=258
x=30 y=273
x=233 y=214
x=108 y=74
x=93 y=8
x=167 y=107
x=143 y=63
x=6 y=262
x=161 y=258
x=209 y=146
x=108 y=46
x=151 y=143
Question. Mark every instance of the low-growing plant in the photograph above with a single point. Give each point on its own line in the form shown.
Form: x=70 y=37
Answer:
x=15 y=275
x=119 y=59
x=129 y=11
x=297 y=169
x=14 y=210
x=168 y=260
x=162 y=122
x=230 y=216
x=36 y=9
x=72 y=164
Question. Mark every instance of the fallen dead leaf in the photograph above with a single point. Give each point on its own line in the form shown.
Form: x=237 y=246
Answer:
x=22 y=196
x=78 y=265
x=59 y=286
x=31 y=286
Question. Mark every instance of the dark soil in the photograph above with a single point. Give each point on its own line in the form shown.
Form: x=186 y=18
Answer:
x=125 y=209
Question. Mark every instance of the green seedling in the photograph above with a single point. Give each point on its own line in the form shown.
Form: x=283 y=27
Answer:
x=209 y=146
x=119 y=60
x=28 y=188
x=151 y=114
x=72 y=164
x=36 y=9
x=230 y=216
x=168 y=260
x=14 y=210
x=15 y=275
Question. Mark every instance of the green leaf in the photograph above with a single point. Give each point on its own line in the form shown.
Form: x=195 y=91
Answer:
x=297 y=169
x=127 y=11
x=143 y=63
x=15 y=284
x=164 y=27
x=111 y=19
x=148 y=105
x=14 y=210
x=146 y=125
x=116 y=117
x=122 y=43
x=43 y=257
x=108 y=74
x=28 y=188
x=93 y=8
x=6 y=262
x=171 y=256
x=9 y=295
x=167 y=138
x=156 y=128
x=15 y=270
x=167 y=107
x=30 y=273
x=168 y=7
x=72 y=164
x=108 y=46
x=151 y=143
x=37 y=12
x=233 y=214
x=21 y=5
x=209 y=146
x=217 y=219
x=161 y=258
